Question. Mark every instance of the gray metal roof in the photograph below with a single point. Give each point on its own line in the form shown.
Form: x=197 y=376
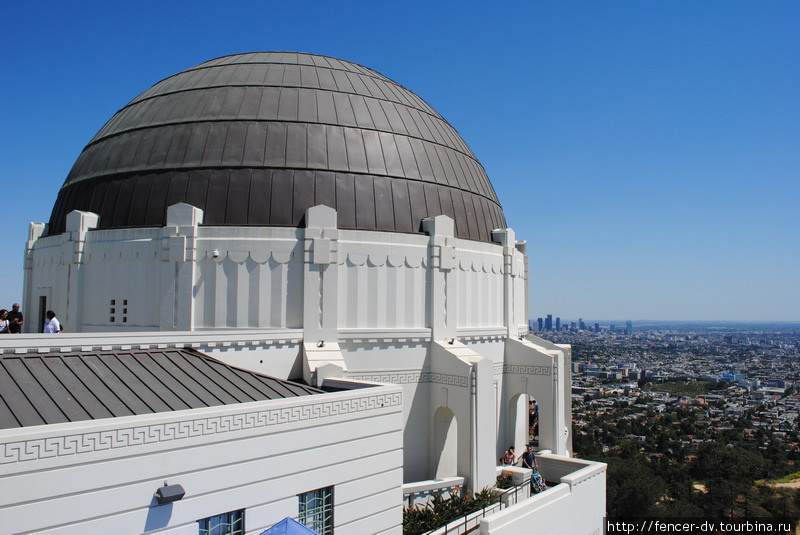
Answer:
x=48 y=388
x=256 y=139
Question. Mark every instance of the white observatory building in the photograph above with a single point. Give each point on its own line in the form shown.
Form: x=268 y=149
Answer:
x=291 y=218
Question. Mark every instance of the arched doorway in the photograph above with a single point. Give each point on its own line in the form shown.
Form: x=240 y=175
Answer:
x=445 y=443
x=518 y=421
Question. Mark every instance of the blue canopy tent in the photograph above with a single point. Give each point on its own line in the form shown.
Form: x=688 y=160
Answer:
x=289 y=526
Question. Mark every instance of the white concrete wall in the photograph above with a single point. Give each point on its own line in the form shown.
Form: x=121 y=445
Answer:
x=47 y=277
x=383 y=280
x=120 y=265
x=480 y=284
x=252 y=277
x=249 y=278
x=99 y=476
x=576 y=506
x=564 y=353
x=402 y=361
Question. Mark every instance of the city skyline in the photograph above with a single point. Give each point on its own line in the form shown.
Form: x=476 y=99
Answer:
x=646 y=153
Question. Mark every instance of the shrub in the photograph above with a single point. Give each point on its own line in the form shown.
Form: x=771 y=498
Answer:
x=439 y=511
x=504 y=481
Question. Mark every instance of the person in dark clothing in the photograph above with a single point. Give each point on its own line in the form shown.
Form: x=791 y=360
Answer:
x=529 y=461
x=15 y=319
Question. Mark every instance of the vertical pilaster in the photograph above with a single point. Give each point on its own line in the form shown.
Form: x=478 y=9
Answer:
x=179 y=267
x=78 y=225
x=505 y=237
x=29 y=302
x=442 y=292
x=320 y=275
x=522 y=247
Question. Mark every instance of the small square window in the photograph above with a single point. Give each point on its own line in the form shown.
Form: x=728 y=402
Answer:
x=113 y=311
x=124 y=310
x=125 y=319
x=124 y=301
x=225 y=524
x=112 y=319
x=315 y=510
x=113 y=302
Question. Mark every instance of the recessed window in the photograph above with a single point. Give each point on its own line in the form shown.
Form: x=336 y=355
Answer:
x=225 y=524
x=315 y=510
x=112 y=319
x=113 y=302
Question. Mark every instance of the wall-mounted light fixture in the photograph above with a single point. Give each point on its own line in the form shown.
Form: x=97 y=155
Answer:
x=321 y=343
x=451 y=341
x=215 y=253
x=169 y=493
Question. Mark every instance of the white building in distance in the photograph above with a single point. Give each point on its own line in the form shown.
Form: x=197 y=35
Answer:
x=306 y=219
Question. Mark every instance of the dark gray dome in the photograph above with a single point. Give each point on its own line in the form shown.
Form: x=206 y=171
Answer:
x=256 y=139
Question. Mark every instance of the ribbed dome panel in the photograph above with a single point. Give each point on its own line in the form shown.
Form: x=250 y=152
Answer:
x=256 y=139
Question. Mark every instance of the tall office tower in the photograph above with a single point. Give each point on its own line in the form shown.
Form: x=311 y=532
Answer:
x=541 y=323
x=581 y=325
x=597 y=327
x=558 y=324
x=612 y=328
x=548 y=323
x=572 y=326
x=629 y=327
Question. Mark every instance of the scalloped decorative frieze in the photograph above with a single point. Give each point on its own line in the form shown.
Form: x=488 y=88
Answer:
x=416 y=261
x=376 y=260
x=478 y=266
x=395 y=260
x=356 y=259
x=380 y=260
x=145 y=252
x=259 y=256
x=44 y=261
x=238 y=256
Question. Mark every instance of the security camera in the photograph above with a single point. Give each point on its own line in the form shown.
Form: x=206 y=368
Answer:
x=215 y=253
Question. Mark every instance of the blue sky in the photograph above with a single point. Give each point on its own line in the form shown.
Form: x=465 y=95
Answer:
x=649 y=152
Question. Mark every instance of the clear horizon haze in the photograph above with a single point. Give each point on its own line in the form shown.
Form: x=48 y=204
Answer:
x=648 y=152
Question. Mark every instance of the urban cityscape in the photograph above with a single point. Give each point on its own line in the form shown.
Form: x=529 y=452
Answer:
x=705 y=414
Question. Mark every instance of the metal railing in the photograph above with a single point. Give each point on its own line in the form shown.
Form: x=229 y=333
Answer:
x=472 y=521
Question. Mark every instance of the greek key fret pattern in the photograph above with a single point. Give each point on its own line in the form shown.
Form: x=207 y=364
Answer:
x=403 y=377
x=518 y=369
x=60 y=446
x=444 y=379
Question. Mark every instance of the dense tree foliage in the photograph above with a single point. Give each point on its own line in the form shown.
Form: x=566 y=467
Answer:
x=723 y=481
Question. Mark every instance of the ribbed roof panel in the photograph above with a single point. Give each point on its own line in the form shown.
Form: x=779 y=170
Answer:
x=48 y=388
